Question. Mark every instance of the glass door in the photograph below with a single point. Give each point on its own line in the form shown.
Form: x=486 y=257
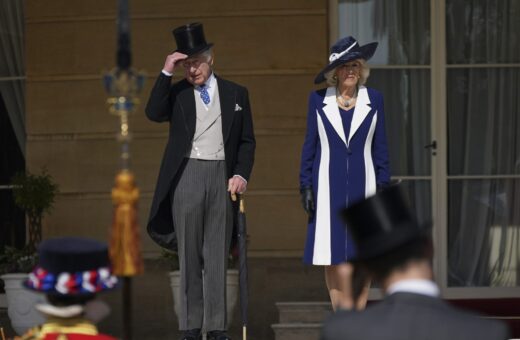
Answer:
x=483 y=147
x=449 y=71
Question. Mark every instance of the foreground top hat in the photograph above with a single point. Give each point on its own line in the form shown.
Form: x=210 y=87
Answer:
x=190 y=39
x=382 y=223
x=343 y=51
x=71 y=266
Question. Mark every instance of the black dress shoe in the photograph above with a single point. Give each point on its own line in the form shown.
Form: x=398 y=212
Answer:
x=218 y=335
x=192 y=334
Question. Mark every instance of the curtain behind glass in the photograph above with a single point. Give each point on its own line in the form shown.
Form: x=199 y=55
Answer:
x=483 y=31
x=483 y=139
x=484 y=121
x=12 y=65
x=402 y=28
x=407 y=107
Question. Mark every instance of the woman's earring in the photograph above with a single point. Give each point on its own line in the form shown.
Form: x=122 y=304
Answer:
x=335 y=77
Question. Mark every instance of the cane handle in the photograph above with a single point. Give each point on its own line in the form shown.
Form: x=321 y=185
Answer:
x=242 y=205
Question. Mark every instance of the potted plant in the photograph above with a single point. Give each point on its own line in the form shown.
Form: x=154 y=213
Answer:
x=171 y=258
x=14 y=266
x=35 y=195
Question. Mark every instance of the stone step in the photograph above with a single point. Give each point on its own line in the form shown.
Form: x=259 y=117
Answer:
x=297 y=331
x=303 y=312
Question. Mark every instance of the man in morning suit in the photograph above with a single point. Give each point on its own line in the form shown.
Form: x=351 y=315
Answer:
x=209 y=155
x=397 y=251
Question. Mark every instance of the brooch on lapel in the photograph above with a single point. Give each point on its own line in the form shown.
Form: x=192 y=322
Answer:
x=238 y=107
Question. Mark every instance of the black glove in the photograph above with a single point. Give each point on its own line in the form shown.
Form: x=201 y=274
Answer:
x=384 y=185
x=307 y=198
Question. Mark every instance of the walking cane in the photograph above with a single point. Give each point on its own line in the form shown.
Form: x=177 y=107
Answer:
x=242 y=257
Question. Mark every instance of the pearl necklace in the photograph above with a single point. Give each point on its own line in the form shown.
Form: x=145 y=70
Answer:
x=345 y=102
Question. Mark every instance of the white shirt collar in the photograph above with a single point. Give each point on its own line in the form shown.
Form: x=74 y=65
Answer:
x=417 y=286
x=210 y=83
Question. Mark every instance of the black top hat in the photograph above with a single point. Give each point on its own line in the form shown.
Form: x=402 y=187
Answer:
x=71 y=266
x=190 y=39
x=382 y=223
x=343 y=51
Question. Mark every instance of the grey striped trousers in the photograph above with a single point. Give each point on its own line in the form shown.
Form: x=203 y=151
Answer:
x=202 y=217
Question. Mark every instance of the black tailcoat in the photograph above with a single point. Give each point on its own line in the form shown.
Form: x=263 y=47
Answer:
x=176 y=104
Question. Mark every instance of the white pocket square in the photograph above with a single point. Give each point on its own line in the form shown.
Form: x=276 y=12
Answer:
x=238 y=107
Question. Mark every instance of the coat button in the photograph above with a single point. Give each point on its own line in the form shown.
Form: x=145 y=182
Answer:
x=349 y=151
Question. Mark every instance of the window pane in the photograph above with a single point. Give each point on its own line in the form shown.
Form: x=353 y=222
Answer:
x=402 y=28
x=484 y=233
x=11 y=38
x=407 y=113
x=483 y=31
x=483 y=121
x=419 y=194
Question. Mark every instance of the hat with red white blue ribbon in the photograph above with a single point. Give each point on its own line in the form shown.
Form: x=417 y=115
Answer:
x=72 y=266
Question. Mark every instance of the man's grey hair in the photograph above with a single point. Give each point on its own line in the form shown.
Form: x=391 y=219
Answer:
x=207 y=54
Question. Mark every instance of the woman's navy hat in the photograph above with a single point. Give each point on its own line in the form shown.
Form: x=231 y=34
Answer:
x=382 y=223
x=71 y=266
x=343 y=51
x=190 y=39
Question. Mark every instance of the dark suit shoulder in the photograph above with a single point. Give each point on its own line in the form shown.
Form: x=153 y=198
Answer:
x=411 y=316
x=374 y=94
x=230 y=84
x=428 y=312
x=317 y=96
x=319 y=93
x=481 y=327
x=341 y=325
x=181 y=85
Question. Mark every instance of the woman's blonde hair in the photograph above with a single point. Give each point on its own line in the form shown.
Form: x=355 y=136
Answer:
x=332 y=80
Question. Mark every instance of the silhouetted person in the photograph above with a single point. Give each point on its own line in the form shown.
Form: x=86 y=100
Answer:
x=396 y=251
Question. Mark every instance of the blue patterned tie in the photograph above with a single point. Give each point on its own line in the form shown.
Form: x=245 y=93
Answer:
x=204 y=94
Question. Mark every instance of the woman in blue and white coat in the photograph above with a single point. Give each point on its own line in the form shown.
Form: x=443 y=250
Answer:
x=344 y=160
